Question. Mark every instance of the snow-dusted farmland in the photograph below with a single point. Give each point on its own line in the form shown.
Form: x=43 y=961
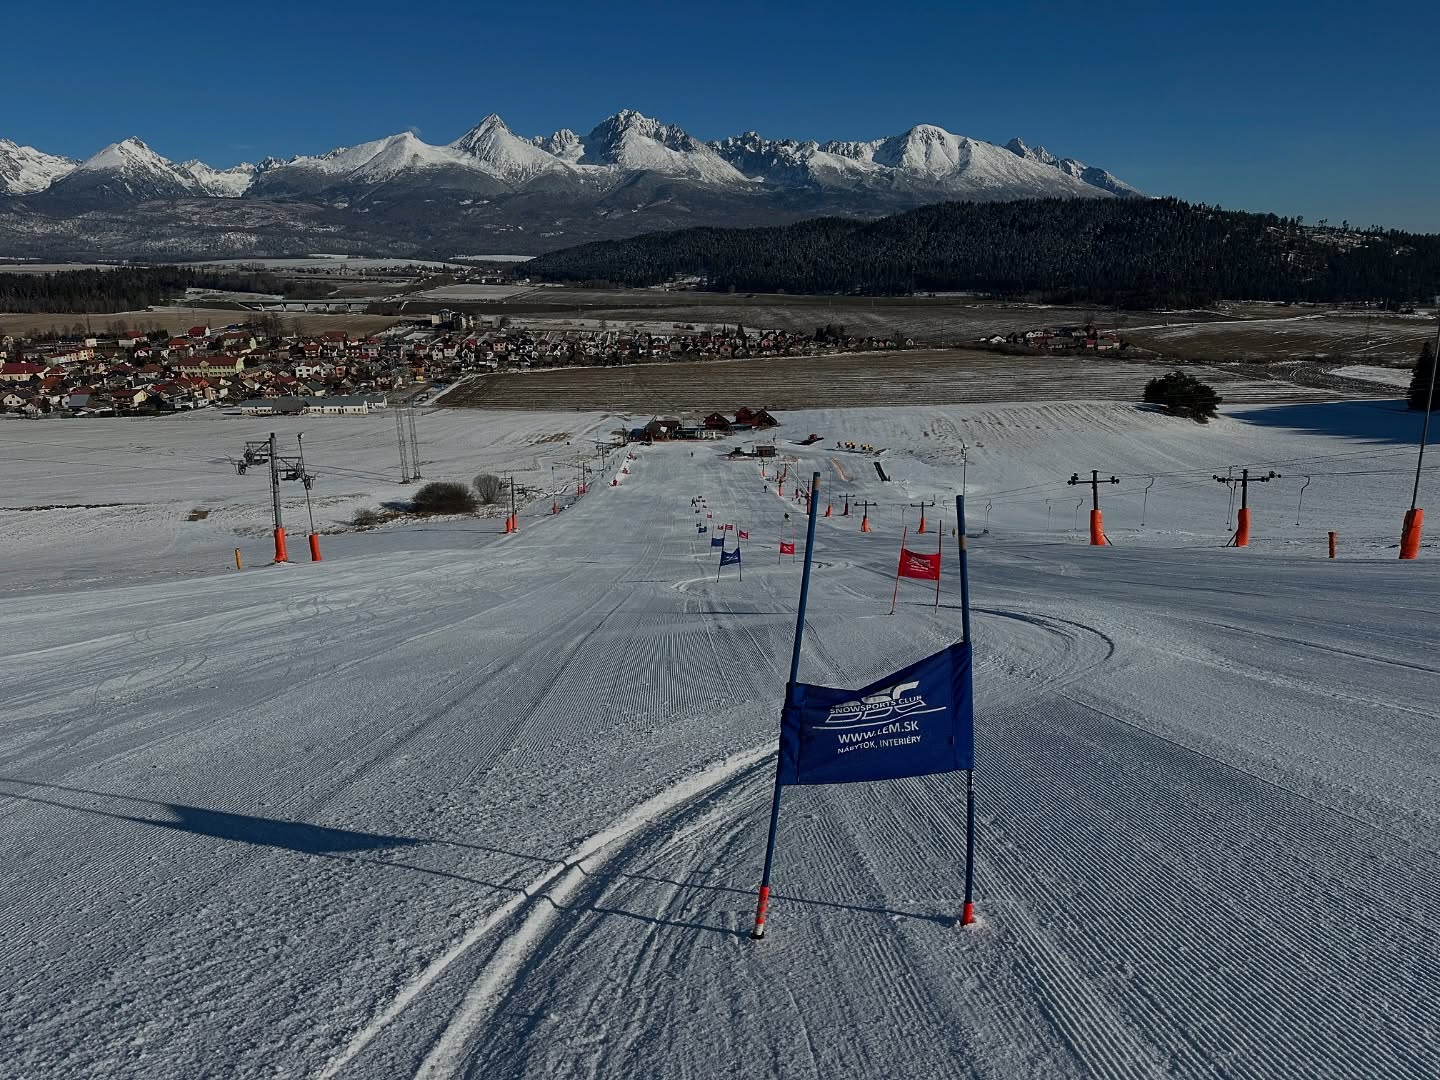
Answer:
x=1397 y=378
x=452 y=803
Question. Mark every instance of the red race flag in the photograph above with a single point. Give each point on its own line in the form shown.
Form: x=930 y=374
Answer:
x=915 y=565
x=787 y=547
x=743 y=534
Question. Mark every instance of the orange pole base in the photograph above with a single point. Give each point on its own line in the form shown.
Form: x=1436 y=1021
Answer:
x=967 y=917
x=314 y=548
x=865 y=523
x=1410 y=535
x=1332 y=545
x=238 y=565
x=828 y=509
x=760 y=910
x=280 y=554
x=922 y=522
x=1242 y=530
x=1097 y=529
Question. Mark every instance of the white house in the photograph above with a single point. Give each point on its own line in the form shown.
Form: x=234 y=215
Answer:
x=337 y=406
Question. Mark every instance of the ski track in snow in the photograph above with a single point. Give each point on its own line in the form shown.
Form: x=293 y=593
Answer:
x=456 y=804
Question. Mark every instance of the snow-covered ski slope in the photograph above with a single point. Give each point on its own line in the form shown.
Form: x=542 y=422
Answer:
x=458 y=804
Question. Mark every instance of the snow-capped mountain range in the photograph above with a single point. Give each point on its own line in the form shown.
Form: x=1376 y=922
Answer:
x=626 y=142
x=630 y=173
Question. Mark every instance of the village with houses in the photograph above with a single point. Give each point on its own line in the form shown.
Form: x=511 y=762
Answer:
x=1058 y=339
x=338 y=372
x=268 y=365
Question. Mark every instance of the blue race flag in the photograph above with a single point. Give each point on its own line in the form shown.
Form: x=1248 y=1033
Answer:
x=700 y=528
x=717 y=541
x=918 y=721
x=729 y=558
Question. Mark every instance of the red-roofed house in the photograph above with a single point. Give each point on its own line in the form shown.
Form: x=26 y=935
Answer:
x=20 y=372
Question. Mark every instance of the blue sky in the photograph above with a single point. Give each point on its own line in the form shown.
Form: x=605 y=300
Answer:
x=1322 y=109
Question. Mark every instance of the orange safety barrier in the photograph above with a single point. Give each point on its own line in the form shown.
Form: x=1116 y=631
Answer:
x=1097 y=529
x=314 y=548
x=1332 y=545
x=280 y=553
x=1242 y=530
x=1410 y=535
x=237 y=559
x=865 y=523
x=922 y=522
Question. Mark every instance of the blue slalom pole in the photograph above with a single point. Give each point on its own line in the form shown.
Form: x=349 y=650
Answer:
x=967 y=915
x=764 y=901
x=964 y=568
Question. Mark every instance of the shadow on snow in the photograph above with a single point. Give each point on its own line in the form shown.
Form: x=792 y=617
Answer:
x=1376 y=421
x=343 y=844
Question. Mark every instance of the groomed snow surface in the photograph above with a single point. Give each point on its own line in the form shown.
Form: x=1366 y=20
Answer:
x=458 y=804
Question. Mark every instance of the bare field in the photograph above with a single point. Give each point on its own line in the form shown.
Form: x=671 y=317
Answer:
x=1324 y=335
x=938 y=377
x=177 y=320
x=1233 y=332
x=942 y=319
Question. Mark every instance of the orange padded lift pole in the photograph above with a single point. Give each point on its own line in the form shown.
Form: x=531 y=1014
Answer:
x=1410 y=535
x=1097 y=524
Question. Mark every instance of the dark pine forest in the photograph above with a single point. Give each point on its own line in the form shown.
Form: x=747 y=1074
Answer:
x=1138 y=253
x=131 y=288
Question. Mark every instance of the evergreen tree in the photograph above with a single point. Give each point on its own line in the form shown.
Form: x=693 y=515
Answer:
x=1183 y=395
x=1420 y=381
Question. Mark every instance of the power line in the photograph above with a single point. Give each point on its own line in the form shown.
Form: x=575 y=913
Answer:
x=414 y=443
x=404 y=447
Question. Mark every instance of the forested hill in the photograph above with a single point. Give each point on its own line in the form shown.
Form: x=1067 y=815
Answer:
x=1125 y=252
x=132 y=288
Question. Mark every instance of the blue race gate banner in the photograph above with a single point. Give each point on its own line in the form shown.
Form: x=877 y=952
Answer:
x=918 y=721
x=717 y=541
x=729 y=558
